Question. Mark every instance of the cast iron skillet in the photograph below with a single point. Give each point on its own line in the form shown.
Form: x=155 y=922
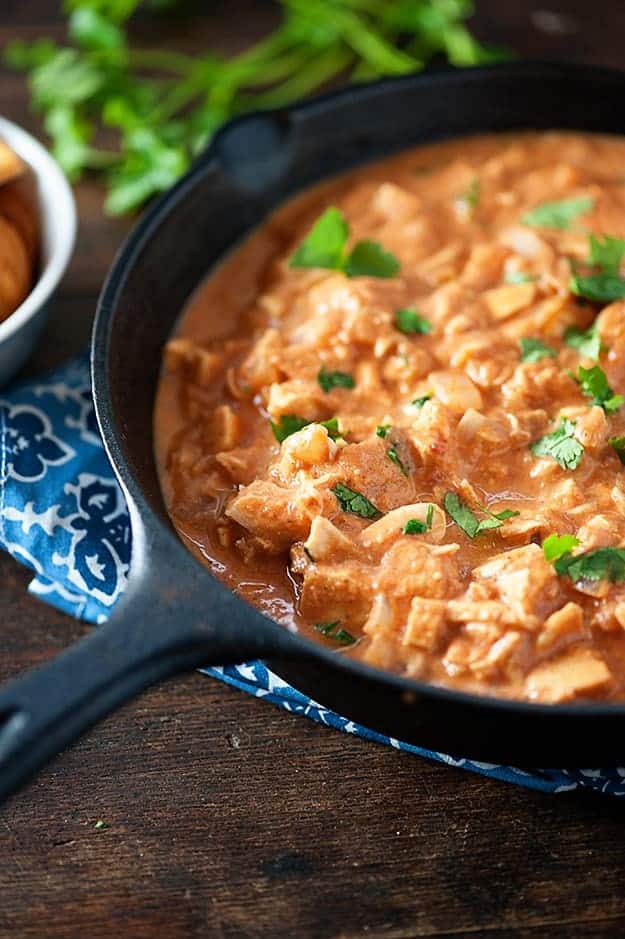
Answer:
x=174 y=614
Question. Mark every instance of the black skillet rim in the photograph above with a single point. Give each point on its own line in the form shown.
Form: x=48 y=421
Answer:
x=142 y=232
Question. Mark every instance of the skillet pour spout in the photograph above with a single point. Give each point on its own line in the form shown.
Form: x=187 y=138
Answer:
x=175 y=615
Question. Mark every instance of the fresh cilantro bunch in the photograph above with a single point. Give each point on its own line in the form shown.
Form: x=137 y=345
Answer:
x=137 y=117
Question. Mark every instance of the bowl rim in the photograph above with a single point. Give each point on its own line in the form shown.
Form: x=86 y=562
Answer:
x=57 y=206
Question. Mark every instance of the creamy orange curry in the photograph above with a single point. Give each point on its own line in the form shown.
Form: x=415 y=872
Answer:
x=393 y=417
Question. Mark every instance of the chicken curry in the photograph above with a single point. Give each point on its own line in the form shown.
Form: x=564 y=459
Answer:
x=393 y=418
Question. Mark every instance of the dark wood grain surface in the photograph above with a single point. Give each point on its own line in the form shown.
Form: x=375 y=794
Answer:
x=227 y=818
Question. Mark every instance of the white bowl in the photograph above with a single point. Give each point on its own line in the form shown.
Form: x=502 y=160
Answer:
x=57 y=213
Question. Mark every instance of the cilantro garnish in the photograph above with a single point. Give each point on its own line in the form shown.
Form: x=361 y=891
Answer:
x=601 y=564
x=407 y=320
x=471 y=195
x=558 y=214
x=333 y=631
x=607 y=254
x=382 y=430
x=586 y=341
x=594 y=384
x=556 y=546
x=618 y=445
x=100 y=825
x=415 y=526
x=520 y=277
x=334 y=379
x=290 y=423
x=419 y=402
x=325 y=246
x=354 y=502
x=601 y=288
x=395 y=458
x=561 y=445
x=532 y=350
x=465 y=518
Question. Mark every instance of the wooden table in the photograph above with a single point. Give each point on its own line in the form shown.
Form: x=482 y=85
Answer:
x=227 y=818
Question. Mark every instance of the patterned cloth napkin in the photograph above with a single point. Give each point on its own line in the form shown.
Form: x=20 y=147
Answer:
x=63 y=515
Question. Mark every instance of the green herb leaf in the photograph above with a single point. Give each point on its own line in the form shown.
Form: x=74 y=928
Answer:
x=354 y=502
x=466 y=519
x=561 y=445
x=407 y=320
x=602 y=564
x=286 y=425
x=520 y=277
x=333 y=631
x=335 y=379
x=92 y=29
x=415 y=526
x=586 y=341
x=618 y=444
x=600 y=288
x=471 y=196
x=324 y=246
x=558 y=214
x=382 y=430
x=532 y=350
x=369 y=259
x=290 y=423
x=100 y=825
x=395 y=458
x=594 y=384
x=607 y=254
x=419 y=402
x=556 y=546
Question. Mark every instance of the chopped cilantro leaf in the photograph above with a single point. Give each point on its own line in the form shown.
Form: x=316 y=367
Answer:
x=607 y=254
x=287 y=424
x=556 y=546
x=382 y=430
x=419 y=402
x=594 y=384
x=415 y=526
x=395 y=458
x=369 y=259
x=586 y=341
x=561 y=445
x=532 y=350
x=601 y=288
x=325 y=246
x=354 y=502
x=618 y=445
x=334 y=379
x=602 y=564
x=471 y=196
x=520 y=277
x=558 y=214
x=407 y=320
x=465 y=518
x=333 y=631
x=290 y=423
x=100 y=825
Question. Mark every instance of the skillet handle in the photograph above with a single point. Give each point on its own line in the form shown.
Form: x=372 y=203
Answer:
x=47 y=708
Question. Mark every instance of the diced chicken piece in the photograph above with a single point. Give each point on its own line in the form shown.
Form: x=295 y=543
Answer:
x=455 y=391
x=367 y=468
x=484 y=267
x=591 y=429
x=482 y=611
x=262 y=366
x=577 y=672
x=245 y=463
x=223 y=428
x=426 y=624
x=389 y=528
x=326 y=543
x=340 y=592
x=201 y=365
x=525 y=581
x=600 y=531
x=296 y=396
x=564 y=626
x=431 y=431
x=413 y=569
x=310 y=446
x=528 y=244
x=395 y=203
x=272 y=513
x=611 y=322
x=504 y=302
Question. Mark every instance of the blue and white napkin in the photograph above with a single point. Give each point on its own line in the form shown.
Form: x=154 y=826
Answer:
x=63 y=515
